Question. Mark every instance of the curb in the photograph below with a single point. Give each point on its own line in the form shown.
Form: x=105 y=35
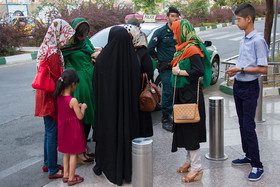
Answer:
x=18 y=58
x=197 y=29
x=267 y=92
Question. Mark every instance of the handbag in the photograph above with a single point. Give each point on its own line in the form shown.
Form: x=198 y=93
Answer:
x=186 y=113
x=43 y=79
x=149 y=97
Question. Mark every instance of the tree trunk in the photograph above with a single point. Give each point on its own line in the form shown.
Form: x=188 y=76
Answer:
x=268 y=21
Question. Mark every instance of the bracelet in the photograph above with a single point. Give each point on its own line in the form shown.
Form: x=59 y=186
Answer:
x=178 y=72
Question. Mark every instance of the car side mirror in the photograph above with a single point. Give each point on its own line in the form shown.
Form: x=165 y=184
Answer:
x=207 y=43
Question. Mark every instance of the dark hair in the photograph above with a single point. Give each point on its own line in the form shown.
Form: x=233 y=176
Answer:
x=172 y=10
x=82 y=30
x=67 y=78
x=246 y=10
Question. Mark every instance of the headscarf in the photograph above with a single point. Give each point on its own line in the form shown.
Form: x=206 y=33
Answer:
x=188 y=44
x=138 y=38
x=57 y=35
x=73 y=46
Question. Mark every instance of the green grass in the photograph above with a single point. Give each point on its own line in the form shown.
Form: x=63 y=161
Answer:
x=207 y=24
x=276 y=58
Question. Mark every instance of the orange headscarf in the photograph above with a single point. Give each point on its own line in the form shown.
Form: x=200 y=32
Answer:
x=187 y=45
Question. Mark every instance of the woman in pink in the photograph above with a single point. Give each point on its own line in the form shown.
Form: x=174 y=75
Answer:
x=71 y=136
x=57 y=37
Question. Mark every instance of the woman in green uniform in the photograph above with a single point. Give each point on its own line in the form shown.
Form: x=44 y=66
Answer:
x=77 y=56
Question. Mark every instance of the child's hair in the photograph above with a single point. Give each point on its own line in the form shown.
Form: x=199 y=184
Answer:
x=67 y=78
x=246 y=10
x=82 y=30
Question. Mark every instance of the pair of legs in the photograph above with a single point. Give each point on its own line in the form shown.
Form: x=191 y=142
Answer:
x=245 y=96
x=86 y=157
x=69 y=166
x=167 y=96
x=193 y=166
x=50 y=146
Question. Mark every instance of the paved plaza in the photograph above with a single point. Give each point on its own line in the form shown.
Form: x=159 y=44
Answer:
x=216 y=173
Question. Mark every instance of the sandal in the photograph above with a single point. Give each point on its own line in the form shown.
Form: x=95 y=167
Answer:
x=65 y=179
x=185 y=168
x=193 y=176
x=76 y=180
x=57 y=175
x=90 y=154
x=86 y=161
x=46 y=169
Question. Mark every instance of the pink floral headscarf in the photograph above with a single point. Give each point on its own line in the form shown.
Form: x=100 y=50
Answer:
x=57 y=37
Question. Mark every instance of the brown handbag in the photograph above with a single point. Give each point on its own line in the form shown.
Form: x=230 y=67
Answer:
x=186 y=113
x=149 y=97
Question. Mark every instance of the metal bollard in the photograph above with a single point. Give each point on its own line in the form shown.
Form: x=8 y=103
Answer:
x=216 y=129
x=142 y=162
x=258 y=117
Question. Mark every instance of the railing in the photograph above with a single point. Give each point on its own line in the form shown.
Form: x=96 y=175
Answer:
x=232 y=61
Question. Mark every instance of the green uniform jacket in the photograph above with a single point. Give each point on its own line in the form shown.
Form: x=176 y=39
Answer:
x=162 y=44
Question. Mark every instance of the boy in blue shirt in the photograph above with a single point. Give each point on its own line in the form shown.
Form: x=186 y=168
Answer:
x=252 y=62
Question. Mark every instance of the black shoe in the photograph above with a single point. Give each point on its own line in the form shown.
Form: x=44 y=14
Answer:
x=97 y=170
x=166 y=119
x=167 y=126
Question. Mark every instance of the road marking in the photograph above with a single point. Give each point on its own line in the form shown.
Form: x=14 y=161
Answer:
x=226 y=36
x=213 y=34
x=18 y=64
x=19 y=167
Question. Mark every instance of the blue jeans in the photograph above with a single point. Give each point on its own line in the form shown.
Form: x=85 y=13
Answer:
x=246 y=96
x=50 y=145
x=167 y=92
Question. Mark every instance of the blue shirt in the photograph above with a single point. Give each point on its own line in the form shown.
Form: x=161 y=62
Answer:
x=253 y=52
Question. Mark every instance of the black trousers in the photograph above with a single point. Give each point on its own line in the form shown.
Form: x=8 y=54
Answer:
x=246 y=96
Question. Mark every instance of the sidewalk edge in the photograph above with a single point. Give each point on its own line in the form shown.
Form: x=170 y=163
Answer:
x=267 y=92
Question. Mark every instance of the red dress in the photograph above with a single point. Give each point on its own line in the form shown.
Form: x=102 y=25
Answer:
x=70 y=131
x=45 y=103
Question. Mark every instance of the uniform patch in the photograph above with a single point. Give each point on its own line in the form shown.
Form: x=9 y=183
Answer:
x=155 y=39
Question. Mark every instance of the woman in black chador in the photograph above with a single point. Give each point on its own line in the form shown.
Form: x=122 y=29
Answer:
x=116 y=85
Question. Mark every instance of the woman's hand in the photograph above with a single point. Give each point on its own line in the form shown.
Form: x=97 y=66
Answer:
x=175 y=70
x=95 y=55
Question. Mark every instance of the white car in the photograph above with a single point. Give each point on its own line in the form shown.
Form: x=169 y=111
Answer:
x=100 y=39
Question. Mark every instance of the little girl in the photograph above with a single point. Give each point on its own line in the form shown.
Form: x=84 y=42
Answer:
x=71 y=136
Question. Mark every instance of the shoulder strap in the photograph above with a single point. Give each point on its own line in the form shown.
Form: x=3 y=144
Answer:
x=48 y=52
x=45 y=59
x=147 y=80
x=197 y=96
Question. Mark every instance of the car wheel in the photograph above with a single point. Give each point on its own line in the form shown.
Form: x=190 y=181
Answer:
x=159 y=86
x=215 y=71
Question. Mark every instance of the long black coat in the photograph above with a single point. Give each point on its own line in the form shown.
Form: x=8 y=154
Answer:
x=146 y=124
x=189 y=135
x=116 y=84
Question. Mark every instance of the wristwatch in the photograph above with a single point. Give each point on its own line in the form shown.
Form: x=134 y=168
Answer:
x=242 y=70
x=178 y=72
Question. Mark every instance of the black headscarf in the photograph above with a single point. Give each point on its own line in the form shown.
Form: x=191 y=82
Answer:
x=116 y=82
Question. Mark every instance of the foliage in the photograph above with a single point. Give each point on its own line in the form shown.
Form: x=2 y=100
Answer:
x=219 y=15
x=198 y=8
x=98 y=18
x=219 y=3
x=10 y=38
x=148 y=6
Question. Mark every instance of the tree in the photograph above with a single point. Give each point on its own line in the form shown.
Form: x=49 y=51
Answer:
x=148 y=6
x=268 y=21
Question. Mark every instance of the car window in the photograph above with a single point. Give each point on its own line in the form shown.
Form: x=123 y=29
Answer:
x=100 y=39
x=147 y=32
